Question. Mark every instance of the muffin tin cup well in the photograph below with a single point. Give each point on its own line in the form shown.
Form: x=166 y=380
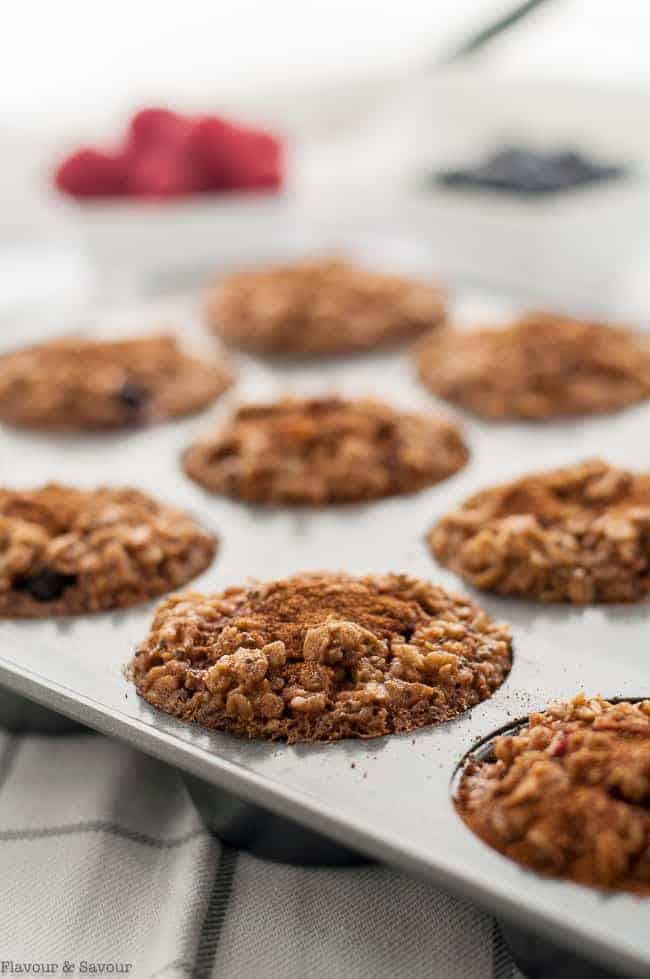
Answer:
x=250 y=827
x=537 y=957
x=540 y=958
x=22 y=716
x=389 y=797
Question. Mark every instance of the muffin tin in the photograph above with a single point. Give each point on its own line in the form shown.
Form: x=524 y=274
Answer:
x=389 y=798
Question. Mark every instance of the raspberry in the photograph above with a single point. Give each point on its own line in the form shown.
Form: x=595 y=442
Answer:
x=163 y=174
x=166 y=154
x=207 y=150
x=253 y=160
x=559 y=745
x=236 y=158
x=91 y=173
x=152 y=128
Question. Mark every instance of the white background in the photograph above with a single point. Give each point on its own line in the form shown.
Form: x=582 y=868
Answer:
x=74 y=60
x=71 y=72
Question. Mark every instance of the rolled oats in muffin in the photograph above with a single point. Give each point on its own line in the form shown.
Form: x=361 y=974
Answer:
x=74 y=384
x=65 y=551
x=325 y=450
x=579 y=534
x=322 y=306
x=319 y=657
x=568 y=794
x=541 y=366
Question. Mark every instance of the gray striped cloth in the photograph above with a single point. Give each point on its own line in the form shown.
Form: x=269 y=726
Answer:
x=106 y=869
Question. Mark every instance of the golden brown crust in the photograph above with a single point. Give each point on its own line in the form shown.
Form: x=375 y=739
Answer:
x=541 y=366
x=65 y=551
x=77 y=385
x=569 y=794
x=579 y=534
x=320 y=657
x=322 y=306
x=325 y=450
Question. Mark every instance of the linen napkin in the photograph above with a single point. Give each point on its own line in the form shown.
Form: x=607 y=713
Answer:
x=107 y=869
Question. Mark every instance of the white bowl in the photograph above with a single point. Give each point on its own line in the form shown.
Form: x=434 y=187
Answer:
x=567 y=250
x=141 y=246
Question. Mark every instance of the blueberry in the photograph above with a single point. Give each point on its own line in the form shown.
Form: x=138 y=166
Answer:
x=133 y=396
x=524 y=171
x=456 y=178
x=570 y=160
x=518 y=170
x=45 y=585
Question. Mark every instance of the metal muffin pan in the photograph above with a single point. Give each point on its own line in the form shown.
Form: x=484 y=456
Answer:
x=20 y=715
x=387 y=798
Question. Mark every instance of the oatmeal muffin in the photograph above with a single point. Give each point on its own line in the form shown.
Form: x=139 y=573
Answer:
x=66 y=551
x=74 y=384
x=321 y=307
x=325 y=450
x=541 y=366
x=320 y=657
x=580 y=534
x=568 y=795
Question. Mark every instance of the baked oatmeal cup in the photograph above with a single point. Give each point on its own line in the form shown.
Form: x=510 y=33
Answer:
x=580 y=534
x=320 y=657
x=67 y=551
x=323 y=306
x=77 y=385
x=568 y=793
x=541 y=366
x=327 y=450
